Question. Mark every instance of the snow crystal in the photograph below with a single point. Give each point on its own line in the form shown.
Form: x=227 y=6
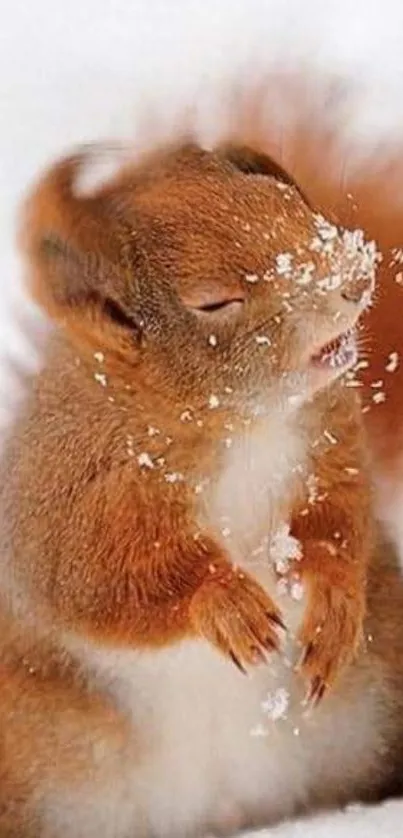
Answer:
x=326 y=230
x=304 y=273
x=284 y=548
x=101 y=378
x=144 y=460
x=379 y=397
x=283 y=187
x=312 y=486
x=213 y=401
x=174 y=477
x=326 y=235
x=297 y=590
x=364 y=255
x=200 y=487
x=252 y=278
x=212 y=340
x=327 y=545
x=284 y=264
x=352 y=382
x=393 y=362
x=397 y=256
x=99 y=356
x=263 y=340
x=276 y=704
x=356 y=245
x=290 y=587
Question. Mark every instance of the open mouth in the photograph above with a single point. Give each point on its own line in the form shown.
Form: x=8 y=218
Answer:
x=340 y=353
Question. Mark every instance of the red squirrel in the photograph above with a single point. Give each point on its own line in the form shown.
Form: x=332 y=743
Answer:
x=200 y=621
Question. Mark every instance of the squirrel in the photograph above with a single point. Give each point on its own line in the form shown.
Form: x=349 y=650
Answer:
x=200 y=622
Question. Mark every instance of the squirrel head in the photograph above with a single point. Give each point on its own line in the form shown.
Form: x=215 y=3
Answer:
x=206 y=272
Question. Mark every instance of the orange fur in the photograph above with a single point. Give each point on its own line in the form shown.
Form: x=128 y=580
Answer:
x=144 y=611
x=112 y=527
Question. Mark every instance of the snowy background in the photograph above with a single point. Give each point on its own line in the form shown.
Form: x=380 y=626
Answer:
x=93 y=69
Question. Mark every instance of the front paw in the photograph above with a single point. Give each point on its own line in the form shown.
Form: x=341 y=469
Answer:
x=332 y=628
x=233 y=612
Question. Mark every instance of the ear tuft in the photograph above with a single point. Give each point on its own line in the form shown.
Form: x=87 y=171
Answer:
x=252 y=162
x=79 y=250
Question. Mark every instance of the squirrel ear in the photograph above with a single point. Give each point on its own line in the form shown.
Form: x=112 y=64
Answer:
x=252 y=162
x=80 y=252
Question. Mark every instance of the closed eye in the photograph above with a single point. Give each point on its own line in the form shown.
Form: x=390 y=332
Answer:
x=229 y=306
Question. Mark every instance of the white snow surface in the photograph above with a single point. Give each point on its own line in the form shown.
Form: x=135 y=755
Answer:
x=384 y=821
x=94 y=69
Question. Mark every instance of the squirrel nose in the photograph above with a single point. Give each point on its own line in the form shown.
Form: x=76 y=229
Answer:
x=356 y=290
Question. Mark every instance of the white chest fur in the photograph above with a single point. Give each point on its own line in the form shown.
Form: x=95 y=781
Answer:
x=220 y=750
x=252 y=493
x=213 y=751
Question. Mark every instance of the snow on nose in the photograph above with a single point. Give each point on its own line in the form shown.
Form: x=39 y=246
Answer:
x=351 y=258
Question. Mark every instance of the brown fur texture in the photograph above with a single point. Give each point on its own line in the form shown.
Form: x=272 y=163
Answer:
x=176 y=331
x=112 y=239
